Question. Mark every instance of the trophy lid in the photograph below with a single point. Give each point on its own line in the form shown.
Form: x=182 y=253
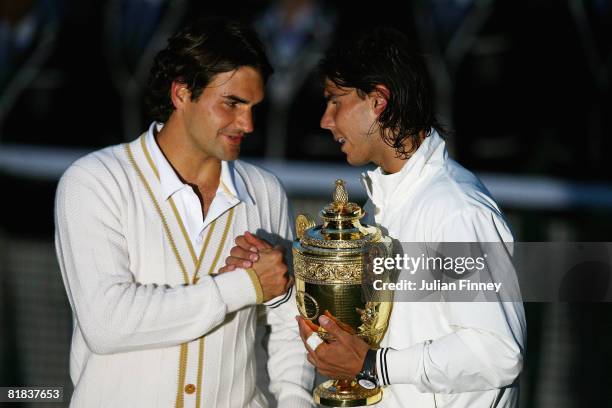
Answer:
x=341 y=210
x=341 y=227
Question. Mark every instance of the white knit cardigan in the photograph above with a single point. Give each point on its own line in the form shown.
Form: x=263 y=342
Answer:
x=148 y=332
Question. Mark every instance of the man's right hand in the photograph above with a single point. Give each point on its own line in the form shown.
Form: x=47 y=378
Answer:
x=267 y=262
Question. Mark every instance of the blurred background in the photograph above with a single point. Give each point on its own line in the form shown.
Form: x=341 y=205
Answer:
x=523 y=85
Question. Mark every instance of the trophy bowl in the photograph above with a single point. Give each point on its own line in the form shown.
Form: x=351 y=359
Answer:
x=329 y=263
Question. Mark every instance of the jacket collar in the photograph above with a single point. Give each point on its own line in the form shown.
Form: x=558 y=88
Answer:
x=382 y=187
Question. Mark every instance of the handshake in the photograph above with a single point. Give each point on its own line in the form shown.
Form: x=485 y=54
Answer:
x=267 y=262
x=341 y=358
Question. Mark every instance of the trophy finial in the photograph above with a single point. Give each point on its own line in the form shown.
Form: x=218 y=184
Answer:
x=340 y=212
x=340 y=194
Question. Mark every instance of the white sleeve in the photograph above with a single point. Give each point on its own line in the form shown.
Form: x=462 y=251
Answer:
x=115 y=312
x=291 y=375
x=486 y=349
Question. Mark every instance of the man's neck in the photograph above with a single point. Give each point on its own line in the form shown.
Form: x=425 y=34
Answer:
x=390 y=163
x=189 y=163
x=202 y=173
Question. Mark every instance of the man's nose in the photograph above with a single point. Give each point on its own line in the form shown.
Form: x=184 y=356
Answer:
x=327 y=120
x=245 y=122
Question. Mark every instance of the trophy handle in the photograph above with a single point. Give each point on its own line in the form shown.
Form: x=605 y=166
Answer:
x=375 y=320
x=302 y=223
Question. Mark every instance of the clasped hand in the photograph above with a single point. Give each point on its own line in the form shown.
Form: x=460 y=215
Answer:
x=267 y=262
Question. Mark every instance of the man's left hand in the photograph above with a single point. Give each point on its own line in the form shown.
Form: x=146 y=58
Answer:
x=340 y=359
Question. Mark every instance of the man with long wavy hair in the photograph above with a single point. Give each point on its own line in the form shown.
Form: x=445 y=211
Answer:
x=434 y=354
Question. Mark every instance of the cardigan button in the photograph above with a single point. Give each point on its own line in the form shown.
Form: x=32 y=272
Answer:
x=190 y=388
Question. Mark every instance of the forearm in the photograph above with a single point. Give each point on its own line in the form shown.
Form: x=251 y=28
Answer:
x=113 y=310
x=126 y=316
x=463 y=361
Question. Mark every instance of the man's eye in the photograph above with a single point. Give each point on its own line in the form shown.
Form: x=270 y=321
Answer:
x=231 y=103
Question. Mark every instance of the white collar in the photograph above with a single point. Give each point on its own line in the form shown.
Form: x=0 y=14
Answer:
x=381 y=186
x=231 y=182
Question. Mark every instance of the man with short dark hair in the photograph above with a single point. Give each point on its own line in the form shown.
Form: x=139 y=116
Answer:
x=141 y=229
x=434 y=354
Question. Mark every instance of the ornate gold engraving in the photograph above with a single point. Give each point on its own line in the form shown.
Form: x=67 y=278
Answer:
x=324 y=271
x=357 y=243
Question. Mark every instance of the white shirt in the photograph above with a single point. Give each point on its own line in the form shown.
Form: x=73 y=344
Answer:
x=445 y=354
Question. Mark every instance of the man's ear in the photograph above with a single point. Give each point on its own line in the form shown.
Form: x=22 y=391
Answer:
x=179 y=94
x=380 y=97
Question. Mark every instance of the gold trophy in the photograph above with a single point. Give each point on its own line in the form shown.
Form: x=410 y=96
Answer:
x=330 y=261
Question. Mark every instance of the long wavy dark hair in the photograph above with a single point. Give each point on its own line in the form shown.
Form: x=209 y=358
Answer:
x=196 y=54
x=384 y=56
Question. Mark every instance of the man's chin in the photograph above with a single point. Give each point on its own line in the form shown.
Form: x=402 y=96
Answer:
x=231 y=155
x=355 y=161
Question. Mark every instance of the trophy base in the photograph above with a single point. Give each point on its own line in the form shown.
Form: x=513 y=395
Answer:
x=336 y=393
